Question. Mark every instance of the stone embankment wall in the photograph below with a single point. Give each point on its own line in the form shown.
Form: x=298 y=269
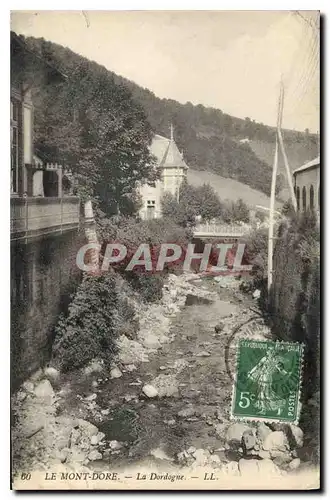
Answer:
x=43 y=276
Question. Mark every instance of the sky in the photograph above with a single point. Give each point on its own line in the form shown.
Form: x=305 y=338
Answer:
x=230 y=60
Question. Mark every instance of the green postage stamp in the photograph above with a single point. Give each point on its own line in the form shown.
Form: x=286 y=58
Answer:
x=268 y=377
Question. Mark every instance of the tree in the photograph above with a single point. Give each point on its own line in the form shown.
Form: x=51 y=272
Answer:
x=210 y=206
x=93 y=126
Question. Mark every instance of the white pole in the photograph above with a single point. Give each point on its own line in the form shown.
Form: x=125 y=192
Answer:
x=271 y=219
x=272 y=196
x=285 y=158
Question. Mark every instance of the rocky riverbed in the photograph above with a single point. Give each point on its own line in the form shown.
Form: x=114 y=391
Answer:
x=166 y=401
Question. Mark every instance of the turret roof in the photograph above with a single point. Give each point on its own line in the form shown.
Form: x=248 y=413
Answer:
x=167 y=152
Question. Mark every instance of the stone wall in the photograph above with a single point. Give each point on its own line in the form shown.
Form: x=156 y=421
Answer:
x=43 y=276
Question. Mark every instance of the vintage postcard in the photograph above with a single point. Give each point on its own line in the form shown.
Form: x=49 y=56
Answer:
x=165 y=250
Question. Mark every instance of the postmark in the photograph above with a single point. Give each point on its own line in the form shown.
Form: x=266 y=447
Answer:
x=267 y=382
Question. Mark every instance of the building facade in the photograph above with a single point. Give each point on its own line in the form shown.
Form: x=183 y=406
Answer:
x=173 y=171
x=45 y=223
x=307 y=186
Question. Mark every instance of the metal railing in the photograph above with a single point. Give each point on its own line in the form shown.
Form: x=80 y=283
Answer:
x=220 y=230
x=32 y=216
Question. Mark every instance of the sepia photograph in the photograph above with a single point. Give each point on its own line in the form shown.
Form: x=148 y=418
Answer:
x=165 y=250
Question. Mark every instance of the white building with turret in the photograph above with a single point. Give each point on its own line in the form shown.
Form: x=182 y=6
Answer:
x=173 y=172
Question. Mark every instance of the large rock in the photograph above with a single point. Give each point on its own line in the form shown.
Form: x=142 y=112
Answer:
x=256 y=294
x=201 y=457
x=248 y=467
x=281 y=458
x=249 y=439
x=97 y=438
x=93 y=367
x=235 y=433
x=275 y=441
x=219 y=327
x=268 y=468
x=130 y=351
x=94 y=455
x=297 y=436
x=203 y=354
x=87 y=428
x=28 y=386
x=230 y=468
x=294 y=464
x=160 y=454
x=262 y=431
x=115 y=373
x=166 y=385
x=45 y=391
x=115 y=445
x=150 y=391
x=52 y=374
x=187 y=412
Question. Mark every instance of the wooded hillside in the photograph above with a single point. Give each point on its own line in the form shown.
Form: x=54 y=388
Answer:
x=209 y=137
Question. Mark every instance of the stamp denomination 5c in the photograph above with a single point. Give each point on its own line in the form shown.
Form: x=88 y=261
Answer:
x=267 y=384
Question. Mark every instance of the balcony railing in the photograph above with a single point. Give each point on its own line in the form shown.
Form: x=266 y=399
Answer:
x=230 y=230
x=31 y=217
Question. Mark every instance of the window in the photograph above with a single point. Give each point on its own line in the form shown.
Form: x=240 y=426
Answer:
x=298 y=197
x=311 y=197
x=14 y=139
x=304 y=198
x=151 y=209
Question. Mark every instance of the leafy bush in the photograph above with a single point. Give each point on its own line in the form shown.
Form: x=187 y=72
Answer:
x=91 y=326
x=149 y=286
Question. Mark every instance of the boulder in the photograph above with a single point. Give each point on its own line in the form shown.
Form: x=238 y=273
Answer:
x=187 y=412
x=280 y=458
x=150 y=391
x=256 y=294
x=94 y=455
x=275 y=441
x=294 y=464
x=219 y=327
x=21 y=395
x=87 y=428
x=96 y=438
x=191 y=449
x=249 y=439
x=268 y=468
x=130 y=368
x=201 y=457
x=28 y=386
x=115 y=445
x=220 y=431
x=160 y=454
x=91 y=397
x=262 y=431
x=115 y=373
x=37 y=376
x=52 y=374
x=231 y=468
x=297 y=436
x=248 y=467
x=62 y=455
x=45 y=391
x=184 y=458
x=235 y=433
x=203 y=354
x=166 y=385
x=93 y=367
